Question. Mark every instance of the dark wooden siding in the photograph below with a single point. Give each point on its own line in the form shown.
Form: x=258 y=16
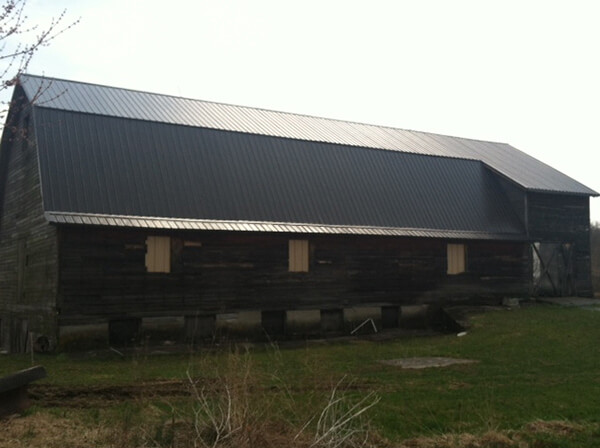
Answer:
x=554 y=217
x=564 y=219
x=517 y=197
x=103 y=275
x=28 y=245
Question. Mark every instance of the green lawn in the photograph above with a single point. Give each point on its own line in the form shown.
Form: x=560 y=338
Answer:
x=538 y=363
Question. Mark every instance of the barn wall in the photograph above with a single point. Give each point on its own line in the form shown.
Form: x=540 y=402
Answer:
x=517 y=197
x=563 y=220
x=103 y=275
x=27 y=247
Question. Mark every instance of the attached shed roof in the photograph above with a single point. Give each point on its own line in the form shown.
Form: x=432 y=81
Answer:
x=117 y=157
x=519 y=167
x=148 y=222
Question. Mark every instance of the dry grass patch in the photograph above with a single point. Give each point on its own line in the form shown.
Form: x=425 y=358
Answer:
x=44 y=430
x=48 y=431
x=492 y=439
x=532 y=435
x=555 y=427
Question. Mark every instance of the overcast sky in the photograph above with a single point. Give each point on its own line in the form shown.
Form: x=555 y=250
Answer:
x=520 y=72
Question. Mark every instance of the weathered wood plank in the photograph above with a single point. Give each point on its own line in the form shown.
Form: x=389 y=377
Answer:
x=21 y=378
x=102 y=273
x=564 y=219
x=28 y=278
x=13 y=390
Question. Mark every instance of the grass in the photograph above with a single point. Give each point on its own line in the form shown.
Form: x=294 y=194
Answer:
x=537 y=372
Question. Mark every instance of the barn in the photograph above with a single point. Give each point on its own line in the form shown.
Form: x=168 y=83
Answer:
x=127 y=215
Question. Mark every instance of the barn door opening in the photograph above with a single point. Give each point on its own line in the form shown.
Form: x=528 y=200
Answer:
x=553 y=269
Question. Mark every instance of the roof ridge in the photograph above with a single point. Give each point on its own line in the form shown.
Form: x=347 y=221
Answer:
x=263 y=109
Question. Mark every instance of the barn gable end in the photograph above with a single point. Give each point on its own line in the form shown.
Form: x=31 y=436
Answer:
x=28 y=245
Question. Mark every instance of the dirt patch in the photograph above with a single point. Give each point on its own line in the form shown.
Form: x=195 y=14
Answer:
x=425 y=363
x=82 y=397
x=47 y=395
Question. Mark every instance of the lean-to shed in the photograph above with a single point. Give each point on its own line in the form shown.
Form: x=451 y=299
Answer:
x=125 y=212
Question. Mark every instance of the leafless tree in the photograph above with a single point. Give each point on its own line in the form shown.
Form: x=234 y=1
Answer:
x=20 y=40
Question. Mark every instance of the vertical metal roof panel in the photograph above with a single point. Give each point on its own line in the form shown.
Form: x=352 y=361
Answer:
x=94 y=99
x=116 y=166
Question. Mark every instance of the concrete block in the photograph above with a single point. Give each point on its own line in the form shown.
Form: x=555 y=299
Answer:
x=303 y=322
x=413 y=316
x=241 y=323
x=77 y=337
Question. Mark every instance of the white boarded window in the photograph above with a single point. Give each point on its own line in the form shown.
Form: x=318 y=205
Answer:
x=457 y=254
x=158 y=254
x=298 y=256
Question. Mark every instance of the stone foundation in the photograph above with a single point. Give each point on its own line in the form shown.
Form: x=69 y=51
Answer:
x=245 y=325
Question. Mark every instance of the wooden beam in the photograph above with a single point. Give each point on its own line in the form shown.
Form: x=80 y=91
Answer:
x=13 y=390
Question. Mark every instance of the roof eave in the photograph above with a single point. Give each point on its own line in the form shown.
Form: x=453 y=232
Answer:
x=590 y=192
x=163 y=223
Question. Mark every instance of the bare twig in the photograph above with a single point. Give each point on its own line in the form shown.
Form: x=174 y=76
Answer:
x=20 y=41
x=338 y=423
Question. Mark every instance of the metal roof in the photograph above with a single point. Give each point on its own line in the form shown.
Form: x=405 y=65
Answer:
x=519 y=167
x=148 y=222
x=94 y=165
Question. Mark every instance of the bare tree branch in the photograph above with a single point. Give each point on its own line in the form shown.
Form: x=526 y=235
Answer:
x=20 y=41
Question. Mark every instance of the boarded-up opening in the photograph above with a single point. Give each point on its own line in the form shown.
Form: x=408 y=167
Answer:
x=390 y=316
x=332 y=321
x=273 y=322
x=456 y=259
x=123 y=332
x=158 y=254
x=200 y=327
x=298 y=256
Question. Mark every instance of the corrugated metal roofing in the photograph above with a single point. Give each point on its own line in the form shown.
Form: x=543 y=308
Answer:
x=246 y=226
x=94 y=165
x=521 y=168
